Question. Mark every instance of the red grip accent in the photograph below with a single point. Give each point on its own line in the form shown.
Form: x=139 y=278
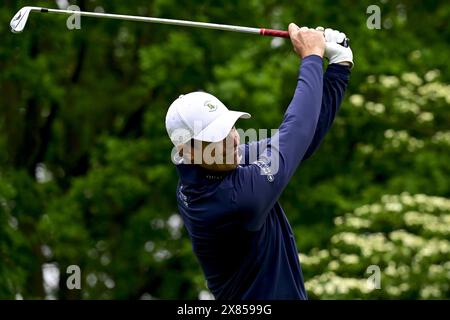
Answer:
x=274 y=33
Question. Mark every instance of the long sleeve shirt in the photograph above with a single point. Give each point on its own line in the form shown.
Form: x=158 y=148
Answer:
x=239 y=232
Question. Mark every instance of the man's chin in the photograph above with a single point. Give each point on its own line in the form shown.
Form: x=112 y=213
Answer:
x=226 y=167
x=226 y=164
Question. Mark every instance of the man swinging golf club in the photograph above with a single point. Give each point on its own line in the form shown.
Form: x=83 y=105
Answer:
x=239 y=232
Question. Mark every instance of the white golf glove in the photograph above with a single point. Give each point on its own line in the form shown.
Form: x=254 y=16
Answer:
x=333 y=50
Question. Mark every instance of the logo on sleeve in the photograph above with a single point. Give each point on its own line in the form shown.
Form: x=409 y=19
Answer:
x=212 y=107
x=265 y=170
x=183 y=197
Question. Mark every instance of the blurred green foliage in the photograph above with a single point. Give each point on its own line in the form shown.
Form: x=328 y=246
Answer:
x=85 y=170
x=406 y=237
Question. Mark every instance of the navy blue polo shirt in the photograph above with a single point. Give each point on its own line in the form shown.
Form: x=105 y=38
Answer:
x=239 y=232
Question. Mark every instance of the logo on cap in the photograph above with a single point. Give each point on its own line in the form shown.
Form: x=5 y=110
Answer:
x=212 y=107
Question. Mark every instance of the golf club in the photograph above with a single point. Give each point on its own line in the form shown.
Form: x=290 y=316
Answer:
x=20 y=19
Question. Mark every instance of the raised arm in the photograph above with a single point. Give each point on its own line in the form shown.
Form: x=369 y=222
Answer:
x=256 y=192
x=335 y=83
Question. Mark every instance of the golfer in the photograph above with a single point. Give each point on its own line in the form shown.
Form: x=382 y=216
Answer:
x=229 y=201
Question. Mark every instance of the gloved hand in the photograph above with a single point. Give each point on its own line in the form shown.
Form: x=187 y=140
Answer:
x=333 y=50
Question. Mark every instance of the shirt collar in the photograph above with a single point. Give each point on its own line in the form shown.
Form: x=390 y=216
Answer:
x=194 y=174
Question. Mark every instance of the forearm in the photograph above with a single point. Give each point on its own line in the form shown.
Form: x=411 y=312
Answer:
x=334 y=85
x=299 y=124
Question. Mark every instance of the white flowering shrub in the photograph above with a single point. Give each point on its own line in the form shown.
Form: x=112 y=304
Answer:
x=406 y=236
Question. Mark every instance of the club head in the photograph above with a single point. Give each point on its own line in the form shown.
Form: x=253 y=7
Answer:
x=20 y=19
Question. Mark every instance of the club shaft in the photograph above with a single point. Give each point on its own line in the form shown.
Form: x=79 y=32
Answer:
x=159 y=20
x=19 y=20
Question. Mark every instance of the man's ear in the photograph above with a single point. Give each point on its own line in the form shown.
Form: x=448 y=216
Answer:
x=180 y=150
x=186 y=151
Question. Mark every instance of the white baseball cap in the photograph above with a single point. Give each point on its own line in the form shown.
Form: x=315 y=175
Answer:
x=200 y=116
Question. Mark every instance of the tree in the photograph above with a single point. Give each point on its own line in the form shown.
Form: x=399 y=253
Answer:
x=85 y=171
x=405 y=236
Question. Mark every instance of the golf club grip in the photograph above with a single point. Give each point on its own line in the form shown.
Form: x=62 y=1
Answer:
x=274 y=33
x=285 y=34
